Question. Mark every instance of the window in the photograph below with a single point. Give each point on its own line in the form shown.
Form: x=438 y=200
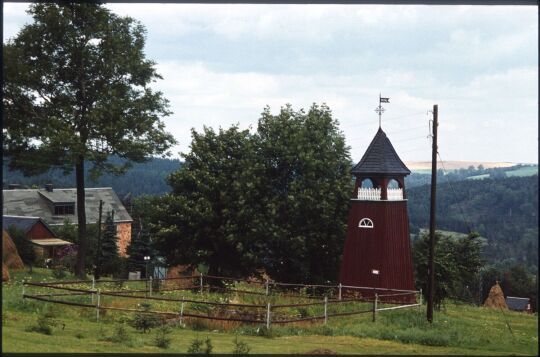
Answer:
x=365 y=223
x=64 y=209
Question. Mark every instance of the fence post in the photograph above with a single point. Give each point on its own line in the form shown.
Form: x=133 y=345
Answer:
x=23 y=286
x=325 y=309
x=93 y=288
x=201 y=282
x=420 y=296
x=97 y=305
x=182 y=311
x=151 y=285
x=268 y=316
x=375 y=306
x=266 y=286
x=339 y=296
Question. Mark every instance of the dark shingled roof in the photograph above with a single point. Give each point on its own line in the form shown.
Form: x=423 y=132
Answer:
x=33 y=203
x=381 y=158
x=517 y=303
x=23 y=223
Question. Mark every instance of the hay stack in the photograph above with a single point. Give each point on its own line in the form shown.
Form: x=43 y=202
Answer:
x=10 y=256
x=495 y=298
x=5 y=273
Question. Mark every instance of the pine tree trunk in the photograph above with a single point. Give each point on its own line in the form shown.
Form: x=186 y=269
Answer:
x=81 y=218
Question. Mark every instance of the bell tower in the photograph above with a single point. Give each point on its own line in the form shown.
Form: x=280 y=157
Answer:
x=377 y=250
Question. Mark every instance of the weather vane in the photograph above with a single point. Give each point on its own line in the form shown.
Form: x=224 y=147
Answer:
x=380 y=109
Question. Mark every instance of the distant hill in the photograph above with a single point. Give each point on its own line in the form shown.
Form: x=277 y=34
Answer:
x=503 y=210
x=454 y=165
x=422 y=177
x=142 y=178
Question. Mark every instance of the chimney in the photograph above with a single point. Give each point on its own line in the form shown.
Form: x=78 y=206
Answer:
x=49 y=187
x=13 y=186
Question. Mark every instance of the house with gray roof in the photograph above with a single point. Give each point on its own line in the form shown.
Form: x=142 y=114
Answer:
x=56 y=205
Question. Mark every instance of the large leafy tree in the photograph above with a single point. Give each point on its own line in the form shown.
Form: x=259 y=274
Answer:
x=458 y=261
x=76 y=89
x=276 y=199
x=213 y=215
x=307 y=186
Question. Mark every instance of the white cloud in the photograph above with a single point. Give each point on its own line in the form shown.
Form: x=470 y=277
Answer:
x=223 y=63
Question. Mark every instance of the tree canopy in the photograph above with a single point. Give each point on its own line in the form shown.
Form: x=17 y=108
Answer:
x=76 y=89
x=275 y=199
x=457 y=262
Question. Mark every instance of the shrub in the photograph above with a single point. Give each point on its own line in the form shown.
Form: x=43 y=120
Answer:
x=120 y=335
x=240 y=347
x=197 y=346
x=162 y=339
x=45 y=324
x=145 y=321
x=59 y=272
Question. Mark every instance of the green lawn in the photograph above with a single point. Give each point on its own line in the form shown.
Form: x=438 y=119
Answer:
x=457 y=329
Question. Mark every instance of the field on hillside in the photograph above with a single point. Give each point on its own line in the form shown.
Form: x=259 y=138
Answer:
x=455 y=165
x=457 y=329
x=524 y=171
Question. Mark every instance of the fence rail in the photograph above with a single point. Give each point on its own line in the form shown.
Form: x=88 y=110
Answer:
x=270 y=308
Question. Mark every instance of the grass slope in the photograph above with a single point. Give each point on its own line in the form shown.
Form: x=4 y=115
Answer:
x=457 y=329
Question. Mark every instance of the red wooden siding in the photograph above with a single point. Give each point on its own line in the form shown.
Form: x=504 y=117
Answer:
x=386 y=247
x=39 y=231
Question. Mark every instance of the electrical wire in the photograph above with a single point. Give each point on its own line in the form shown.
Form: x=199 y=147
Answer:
x=462 y=212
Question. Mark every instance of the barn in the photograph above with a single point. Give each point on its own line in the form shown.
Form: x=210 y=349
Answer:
x=38 y=233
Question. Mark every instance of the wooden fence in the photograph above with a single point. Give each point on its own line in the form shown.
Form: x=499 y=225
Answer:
x=266 y=314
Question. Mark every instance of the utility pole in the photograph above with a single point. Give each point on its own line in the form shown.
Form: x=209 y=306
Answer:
x=98 y=253
x=431 y=259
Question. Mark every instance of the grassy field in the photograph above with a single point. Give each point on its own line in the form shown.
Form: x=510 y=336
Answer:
x=524 y=171
x=457 y=329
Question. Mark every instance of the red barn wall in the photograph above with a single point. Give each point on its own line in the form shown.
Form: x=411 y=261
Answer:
x=39 y=231
x=386 y=247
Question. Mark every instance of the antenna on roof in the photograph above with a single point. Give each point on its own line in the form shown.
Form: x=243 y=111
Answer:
x=380 y=109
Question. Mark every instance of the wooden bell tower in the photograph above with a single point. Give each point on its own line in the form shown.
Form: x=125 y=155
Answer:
x=377 y=249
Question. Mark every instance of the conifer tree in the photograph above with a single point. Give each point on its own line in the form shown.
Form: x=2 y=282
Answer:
x=140 y=246
x=109 y=258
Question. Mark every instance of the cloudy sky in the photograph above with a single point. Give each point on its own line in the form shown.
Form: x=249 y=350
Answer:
x=222 y=64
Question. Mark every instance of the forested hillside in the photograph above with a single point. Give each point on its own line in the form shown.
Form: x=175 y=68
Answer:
x=502 y=207
x=142 y=178
x=504 y=210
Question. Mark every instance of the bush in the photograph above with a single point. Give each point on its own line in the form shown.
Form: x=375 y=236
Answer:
x=197 y=346
x=45 y=324
x=162 y=339
x=59 y=272
x=120 y=335
x=145 y=321
x=240 y=347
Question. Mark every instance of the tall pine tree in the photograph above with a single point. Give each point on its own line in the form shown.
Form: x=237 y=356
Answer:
x=109 y=258
x=139 y=247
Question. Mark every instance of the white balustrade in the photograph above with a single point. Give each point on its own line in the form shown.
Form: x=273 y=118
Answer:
x=394 y=194
x=369 y=194
x=374 y=194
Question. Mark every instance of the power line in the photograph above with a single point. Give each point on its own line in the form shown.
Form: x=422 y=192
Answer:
x=385 y=119
x=455 y=195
